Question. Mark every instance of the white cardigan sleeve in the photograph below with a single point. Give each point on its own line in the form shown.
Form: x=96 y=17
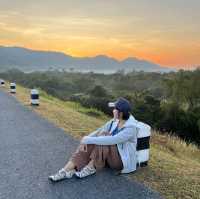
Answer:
x=123 y=136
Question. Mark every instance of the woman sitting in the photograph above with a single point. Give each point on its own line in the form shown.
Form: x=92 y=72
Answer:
x=114 y=145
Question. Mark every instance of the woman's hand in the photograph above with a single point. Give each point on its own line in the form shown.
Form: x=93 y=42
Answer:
x=83 y=147
x=83 y=140
x=83 y=144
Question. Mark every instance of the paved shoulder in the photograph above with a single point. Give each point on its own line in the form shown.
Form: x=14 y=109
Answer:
x=32 y=148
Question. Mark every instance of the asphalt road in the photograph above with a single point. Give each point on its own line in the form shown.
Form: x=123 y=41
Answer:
x=31 y=148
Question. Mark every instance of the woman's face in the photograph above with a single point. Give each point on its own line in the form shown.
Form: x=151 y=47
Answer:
x=115 y=113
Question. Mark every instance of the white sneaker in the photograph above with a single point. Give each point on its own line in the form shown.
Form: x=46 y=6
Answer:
x=86 y=171
x=62 y=174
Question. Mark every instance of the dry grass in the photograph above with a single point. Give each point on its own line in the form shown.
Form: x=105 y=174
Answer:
x=174 y=166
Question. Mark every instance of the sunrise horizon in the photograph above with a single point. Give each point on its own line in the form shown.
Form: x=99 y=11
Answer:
x=186 y=67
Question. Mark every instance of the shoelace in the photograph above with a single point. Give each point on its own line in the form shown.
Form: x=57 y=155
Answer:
x=61 y=173
x=85 y=171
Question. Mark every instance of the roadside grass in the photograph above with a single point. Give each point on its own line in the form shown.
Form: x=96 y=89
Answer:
x=174 y=166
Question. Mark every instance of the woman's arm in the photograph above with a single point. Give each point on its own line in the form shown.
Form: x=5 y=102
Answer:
x=123 y=136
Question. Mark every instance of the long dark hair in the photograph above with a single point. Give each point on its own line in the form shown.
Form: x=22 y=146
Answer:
x=125 y=115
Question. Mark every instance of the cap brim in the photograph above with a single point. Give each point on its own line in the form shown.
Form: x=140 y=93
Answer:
x=111 y=104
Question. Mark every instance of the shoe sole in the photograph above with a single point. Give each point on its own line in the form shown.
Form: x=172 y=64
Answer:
x=57 y=180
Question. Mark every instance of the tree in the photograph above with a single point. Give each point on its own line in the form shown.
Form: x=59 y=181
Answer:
x=98 y=91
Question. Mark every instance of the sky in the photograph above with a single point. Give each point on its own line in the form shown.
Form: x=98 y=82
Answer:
x=164 y=32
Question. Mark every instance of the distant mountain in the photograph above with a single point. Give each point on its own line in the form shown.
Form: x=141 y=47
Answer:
x=32 y=60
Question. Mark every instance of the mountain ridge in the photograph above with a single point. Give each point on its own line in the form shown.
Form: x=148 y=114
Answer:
x=27 y=60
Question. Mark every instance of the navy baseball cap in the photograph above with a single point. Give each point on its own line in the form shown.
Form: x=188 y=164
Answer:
x=122 y=104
